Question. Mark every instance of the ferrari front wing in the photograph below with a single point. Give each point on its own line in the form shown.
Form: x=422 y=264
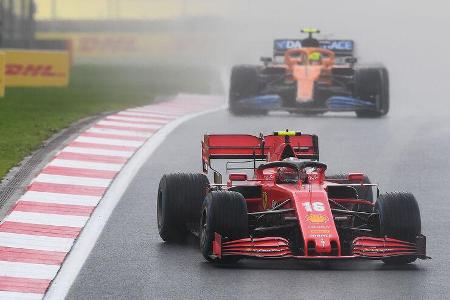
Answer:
x=362 y=247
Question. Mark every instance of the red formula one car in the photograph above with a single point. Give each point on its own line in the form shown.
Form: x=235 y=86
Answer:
x=289 y=208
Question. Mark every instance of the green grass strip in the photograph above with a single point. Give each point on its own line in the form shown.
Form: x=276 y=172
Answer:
x=28 y=116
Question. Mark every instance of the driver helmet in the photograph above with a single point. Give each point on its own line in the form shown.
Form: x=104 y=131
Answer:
x=291 y=159
x=315 y=58
x=287 y=175
x=302 y=174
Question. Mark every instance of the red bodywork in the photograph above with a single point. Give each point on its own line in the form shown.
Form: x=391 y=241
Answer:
x=306 y=201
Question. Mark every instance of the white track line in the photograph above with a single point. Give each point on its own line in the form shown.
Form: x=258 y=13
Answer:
x=60 y=179
x=46 y=219
x=25 y=270
x=60 y=198
x=98 y=151
x=94 y=227
x=85 y=165
x=35 y=242
x=19 y=296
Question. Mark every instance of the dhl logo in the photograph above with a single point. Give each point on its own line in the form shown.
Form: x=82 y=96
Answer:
x=32 y=70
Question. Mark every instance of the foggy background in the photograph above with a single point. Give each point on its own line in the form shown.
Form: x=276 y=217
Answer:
x=409 y=37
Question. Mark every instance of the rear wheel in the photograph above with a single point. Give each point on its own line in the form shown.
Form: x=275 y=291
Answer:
x=180 y=197
x=225 y=213
x=400 y=219
x=244 y=84
x=372 y=84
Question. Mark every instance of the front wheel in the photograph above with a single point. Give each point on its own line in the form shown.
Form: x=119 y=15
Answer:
x=244 y=83
x=179 y=202
x=225 y=213
x=372 y=84
x=400 y=219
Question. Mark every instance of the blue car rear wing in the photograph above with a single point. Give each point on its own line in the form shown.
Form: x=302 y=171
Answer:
x=339 y=47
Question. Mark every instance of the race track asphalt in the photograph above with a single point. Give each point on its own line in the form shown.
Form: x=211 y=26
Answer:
x=407 y=151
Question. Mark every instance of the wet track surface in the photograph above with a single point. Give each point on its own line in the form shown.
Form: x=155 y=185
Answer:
x=406 y=151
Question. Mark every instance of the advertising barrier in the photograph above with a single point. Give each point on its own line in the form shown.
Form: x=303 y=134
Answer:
x=31 y=68
x=105 y=46
x=2 y=74
x=167 y=47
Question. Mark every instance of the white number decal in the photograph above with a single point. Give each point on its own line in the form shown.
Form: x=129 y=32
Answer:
x=316 y=206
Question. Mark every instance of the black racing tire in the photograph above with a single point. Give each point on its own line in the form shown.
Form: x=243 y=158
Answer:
x=180 y=197
x=244 y=83
x=196 y=189
x=371 y=83
x=223 y=212
x=399 y=218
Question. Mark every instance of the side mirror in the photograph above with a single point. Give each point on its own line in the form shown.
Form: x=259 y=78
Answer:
x=238 y=177
x=266 y=60
x=356 y=177
x=217 y=178
x=351 y=60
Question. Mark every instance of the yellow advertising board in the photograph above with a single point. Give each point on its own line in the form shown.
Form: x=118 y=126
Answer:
x=33 y=68
x=113 y=45
x=165 y=47
x=2 y=74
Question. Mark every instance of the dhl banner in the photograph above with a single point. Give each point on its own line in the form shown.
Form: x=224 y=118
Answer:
x=167 y=47
x=98 y=47
x=33 y=68
x=2 y=73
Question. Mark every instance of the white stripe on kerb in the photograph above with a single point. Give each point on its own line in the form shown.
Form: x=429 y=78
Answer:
x=147 y=116
x=129 y=125
x=84 y=181
x=98 y=151
x=125 y=120
x=25 y=270
x=158 y=111
x=46 y=219
x=35 y=242
x=113 y=142
x=85 y=165
x=124 y=132
x=61 y=198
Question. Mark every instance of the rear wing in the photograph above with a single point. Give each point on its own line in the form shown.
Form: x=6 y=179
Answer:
x=339 y=47
x=243 y=146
